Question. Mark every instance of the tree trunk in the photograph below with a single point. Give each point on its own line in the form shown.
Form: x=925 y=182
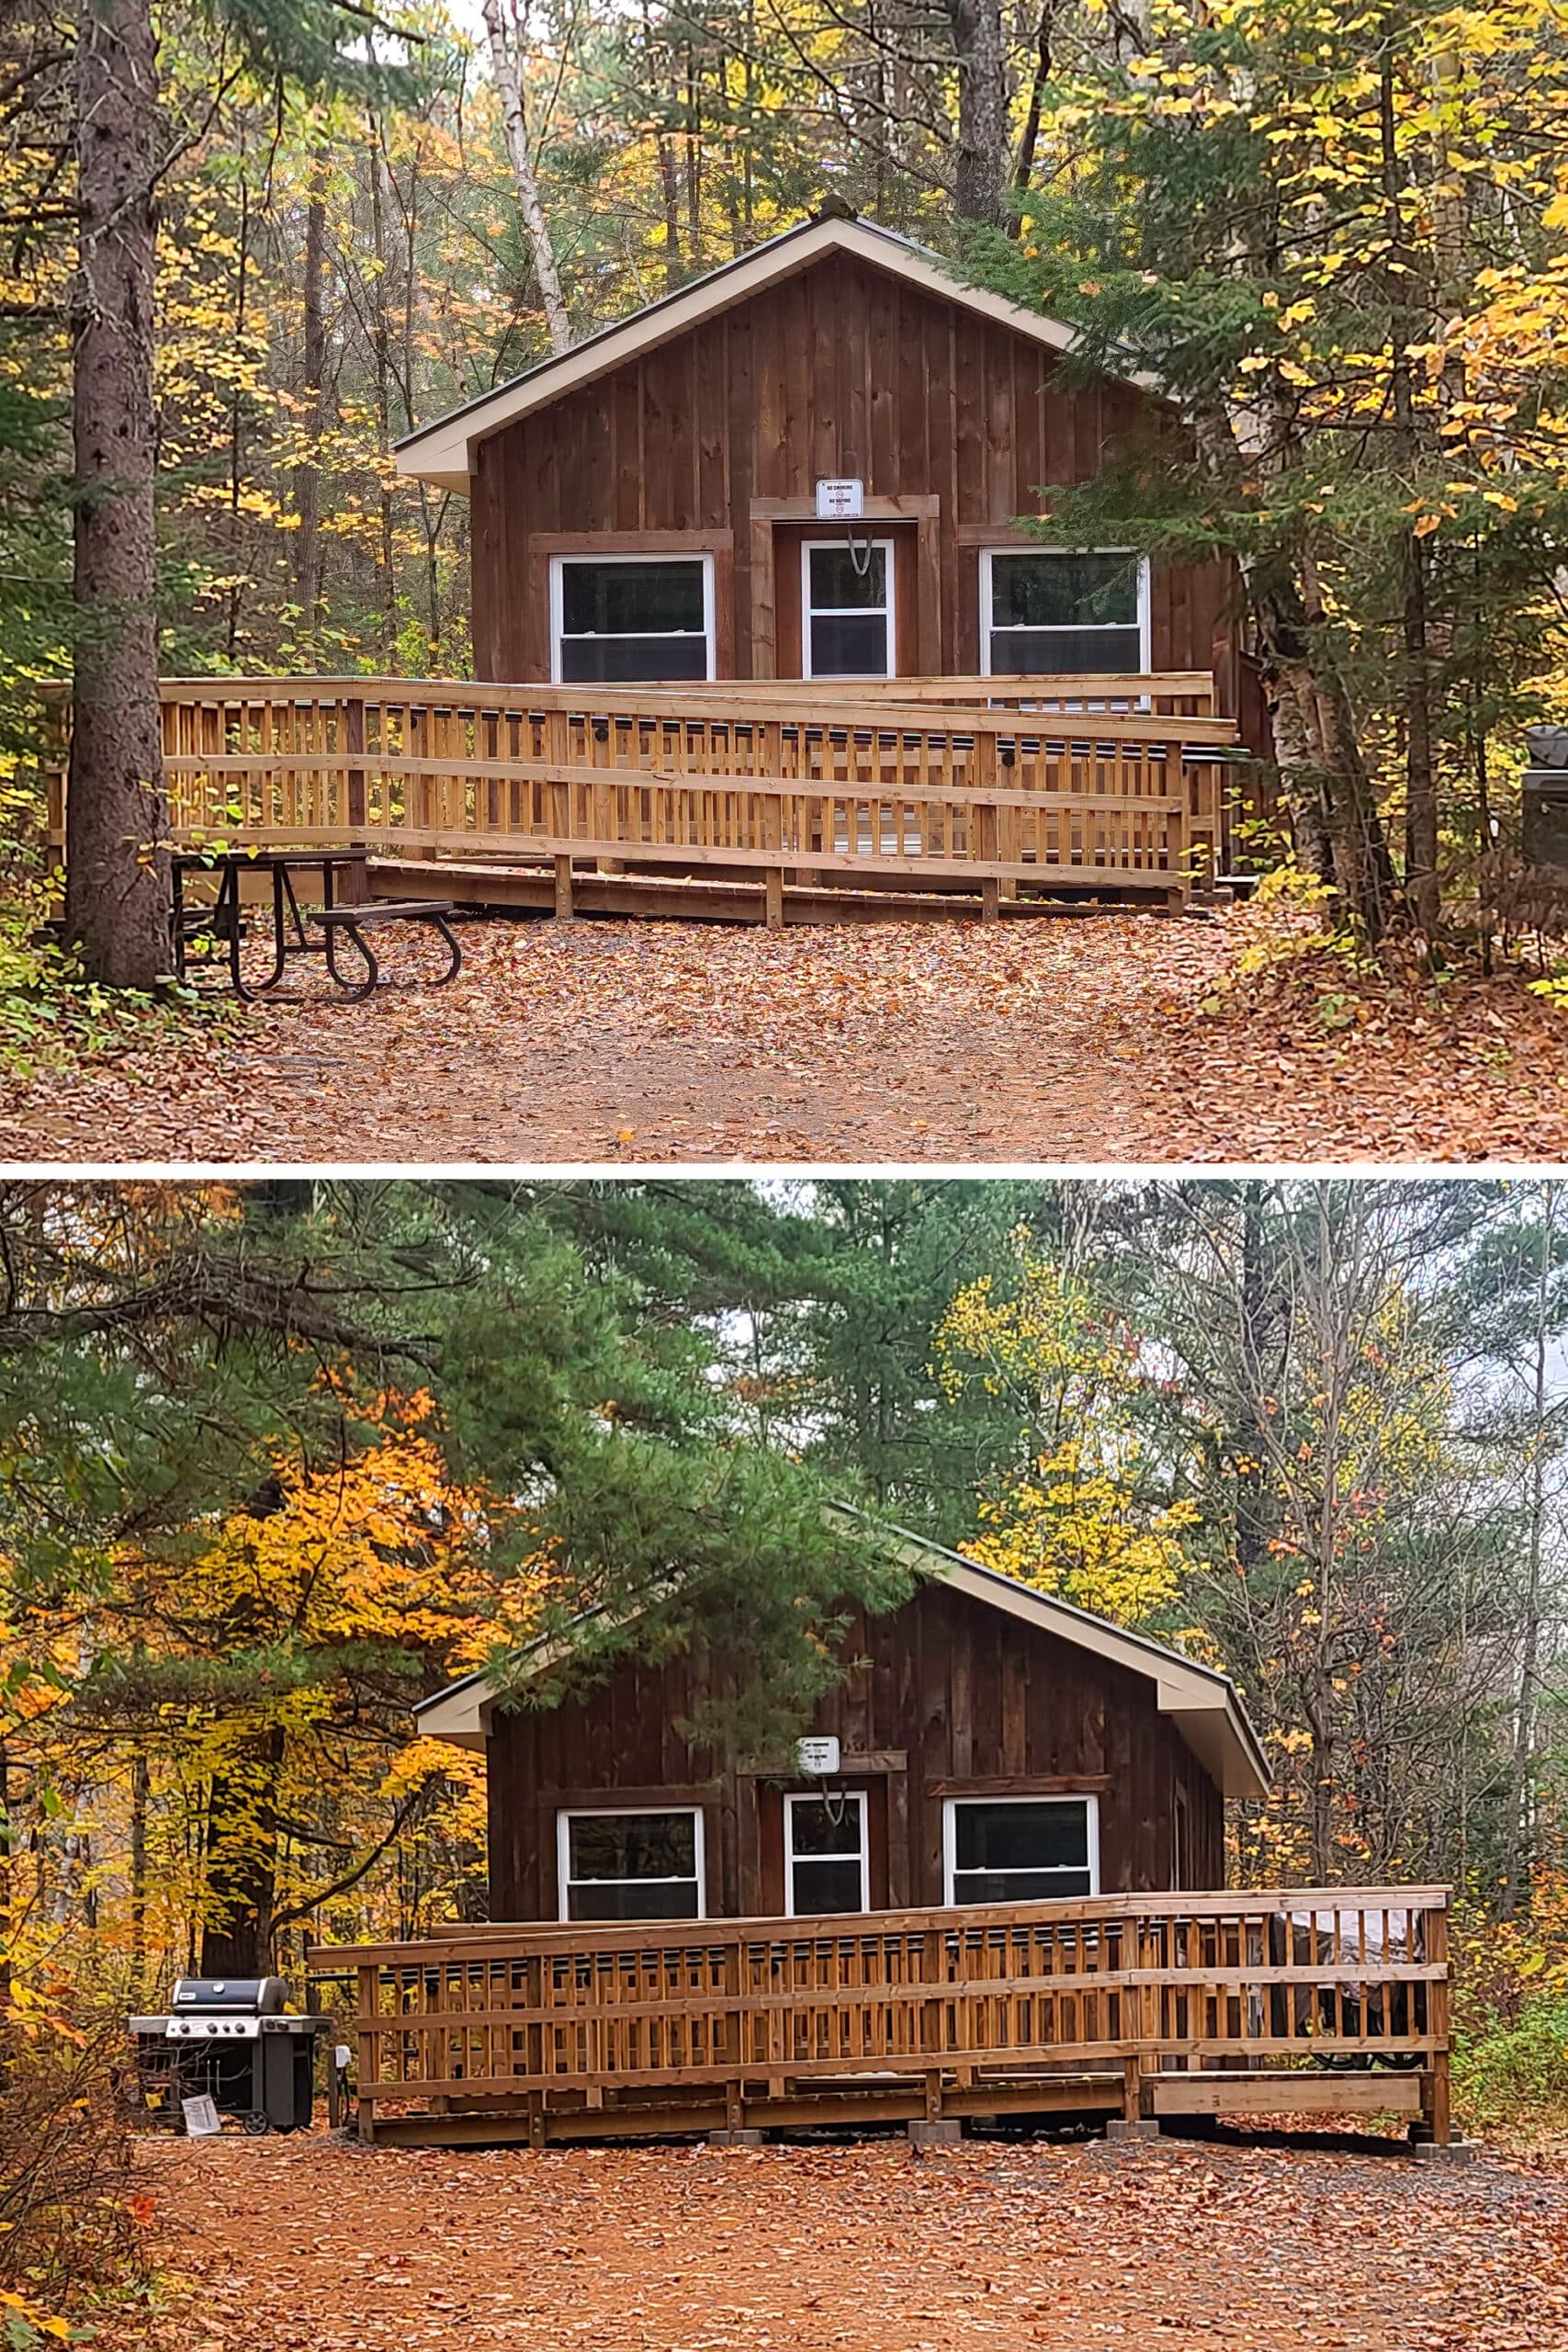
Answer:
x=1029 y=138
x=1420 y=780
x=1521 y=1764
x=140 y=1793
x=241 y=1861
x=117 y=891
x=308 y=477
x=1339 y=833
x=981 y=51
x=381 y=347
x=508 y=70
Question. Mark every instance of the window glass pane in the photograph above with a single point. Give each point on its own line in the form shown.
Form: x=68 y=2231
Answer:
x=834 y=579
x=1056 y=590
x=631 y=599
x=1021 y=1836
x=850 y=646
x=813 y=1829
x=1086 y=652
x=631 y=661
x=1017 y=1886
x=633 y=1845
x=633 y=1899
x=826 y=1886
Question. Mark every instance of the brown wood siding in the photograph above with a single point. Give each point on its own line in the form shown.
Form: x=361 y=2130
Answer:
x=960 y=1691
x=839 y=370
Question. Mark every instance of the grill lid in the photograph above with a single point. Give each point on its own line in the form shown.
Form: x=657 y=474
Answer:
x=251 y=1997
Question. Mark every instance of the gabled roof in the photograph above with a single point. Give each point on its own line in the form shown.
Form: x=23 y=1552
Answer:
x=1202 y=1703
x=443 y=452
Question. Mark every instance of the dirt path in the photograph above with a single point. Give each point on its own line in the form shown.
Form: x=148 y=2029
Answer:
x=315 y=2245
x=1057 y=1040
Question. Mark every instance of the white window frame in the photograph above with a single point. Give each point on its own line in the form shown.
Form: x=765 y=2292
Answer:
x=614 y=555
x=567 y=1815
x=989 y=555
x=829 y=612
x=950 y=1835
x=814 y=1796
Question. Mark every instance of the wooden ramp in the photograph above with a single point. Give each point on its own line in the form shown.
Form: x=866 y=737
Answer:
x=1131 y=2007
x=806 y=801
x=667 y=898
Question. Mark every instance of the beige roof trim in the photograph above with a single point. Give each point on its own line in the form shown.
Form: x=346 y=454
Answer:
x=446 y=453
x=1202 y=1703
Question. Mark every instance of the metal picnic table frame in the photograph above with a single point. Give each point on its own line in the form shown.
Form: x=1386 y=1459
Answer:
x=289 y=932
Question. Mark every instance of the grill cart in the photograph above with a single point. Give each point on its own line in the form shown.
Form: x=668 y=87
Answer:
x=231 y=2038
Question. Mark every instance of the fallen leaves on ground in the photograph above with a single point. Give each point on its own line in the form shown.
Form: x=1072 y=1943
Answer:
x=1066 y=1038
x=319 y=2245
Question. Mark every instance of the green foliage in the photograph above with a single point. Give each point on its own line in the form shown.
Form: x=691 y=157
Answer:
x=1515 y=2076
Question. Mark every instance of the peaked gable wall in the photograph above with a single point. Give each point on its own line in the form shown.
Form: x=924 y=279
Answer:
x=838 y=370
x=959 y=1690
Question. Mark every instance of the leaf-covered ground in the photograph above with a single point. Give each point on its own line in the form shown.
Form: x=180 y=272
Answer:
x=315 y=2245
x=1087 y=1038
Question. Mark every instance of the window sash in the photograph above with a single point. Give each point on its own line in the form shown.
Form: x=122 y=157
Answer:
x=566 y=1882
x=853 y=1799
x=960 y=1886
x=810 y=612
x=560 y=637
x=993 y=632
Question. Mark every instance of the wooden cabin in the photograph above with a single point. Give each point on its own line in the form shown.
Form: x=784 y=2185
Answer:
x=647 y=506
x=991 y=1745
x=986 y=1883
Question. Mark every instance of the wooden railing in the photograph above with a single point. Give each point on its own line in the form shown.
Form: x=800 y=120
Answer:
x=1164 y=694
x=767 y=779
x=962 y=2002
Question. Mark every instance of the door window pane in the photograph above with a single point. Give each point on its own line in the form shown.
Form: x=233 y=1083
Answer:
x=1075 y=612
x=824 y=1854
x=847 y=616
x=625 y=622
x=631 y=1865
x=847 y=645
x=836 y=585
x=1020 y=1850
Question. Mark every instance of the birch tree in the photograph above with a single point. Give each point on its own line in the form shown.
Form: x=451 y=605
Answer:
x=507 y=52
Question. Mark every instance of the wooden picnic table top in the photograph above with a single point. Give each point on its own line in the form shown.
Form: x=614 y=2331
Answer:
x=199 y=861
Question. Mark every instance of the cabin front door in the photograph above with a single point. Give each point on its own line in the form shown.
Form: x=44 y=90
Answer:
x=824 y=1848
x=846 y=600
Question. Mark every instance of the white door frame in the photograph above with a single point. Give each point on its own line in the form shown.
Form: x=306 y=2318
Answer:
x=806 y=547
x=814 y=1796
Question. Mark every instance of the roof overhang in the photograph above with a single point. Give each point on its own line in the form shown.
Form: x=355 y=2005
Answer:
x=1203 y=1704
x=446 y=453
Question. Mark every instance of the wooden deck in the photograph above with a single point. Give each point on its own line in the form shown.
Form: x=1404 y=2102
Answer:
x=769 y=800
x=1130 y=2007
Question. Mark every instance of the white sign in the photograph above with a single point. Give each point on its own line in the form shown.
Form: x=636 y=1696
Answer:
x=201 y=2118
x=342 y=2057
x=817 y=1758
x=840 y=502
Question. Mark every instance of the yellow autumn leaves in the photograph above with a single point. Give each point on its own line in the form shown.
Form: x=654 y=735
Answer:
x=1072 y=1517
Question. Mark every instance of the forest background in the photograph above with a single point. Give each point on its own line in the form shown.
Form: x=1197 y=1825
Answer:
x=1338 y=235
x=280 y=1458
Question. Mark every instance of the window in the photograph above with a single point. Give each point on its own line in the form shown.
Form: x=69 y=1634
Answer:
x=1055 y=611
x=1021 y=1850
x=827 y=1867
x=630 y=619
x=642 y=1865
x=846 y=615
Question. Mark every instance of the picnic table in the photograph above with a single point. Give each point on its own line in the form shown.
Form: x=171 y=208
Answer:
x=295 y=931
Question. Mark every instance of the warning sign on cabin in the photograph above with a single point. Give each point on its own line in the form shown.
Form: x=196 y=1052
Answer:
x=840 y=502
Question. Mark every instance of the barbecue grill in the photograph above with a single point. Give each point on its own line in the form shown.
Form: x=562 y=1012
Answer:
x=232 y=2039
